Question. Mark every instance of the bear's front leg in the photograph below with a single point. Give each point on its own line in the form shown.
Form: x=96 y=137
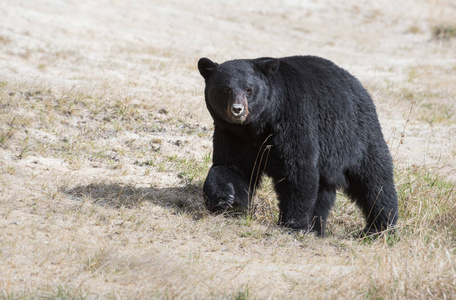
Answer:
x=225 y=189
x=297 y=199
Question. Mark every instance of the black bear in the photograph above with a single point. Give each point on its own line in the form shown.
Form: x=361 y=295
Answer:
x=310 y=126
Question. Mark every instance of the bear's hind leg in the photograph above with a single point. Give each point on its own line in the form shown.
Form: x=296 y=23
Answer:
x=325 y=200
x=226 y=189
x=374 y=192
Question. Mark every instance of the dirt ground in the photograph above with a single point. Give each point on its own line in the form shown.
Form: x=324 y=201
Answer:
x=102 y=100
x=147 y=51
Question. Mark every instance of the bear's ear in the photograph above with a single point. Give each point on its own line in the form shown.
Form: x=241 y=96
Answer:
x=268 y=66
x=206 y=67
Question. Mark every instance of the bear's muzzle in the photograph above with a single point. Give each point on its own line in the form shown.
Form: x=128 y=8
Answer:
x=238 y=110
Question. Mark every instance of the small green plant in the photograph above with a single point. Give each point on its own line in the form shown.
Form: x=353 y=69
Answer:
x=444 y=31
x=242 y=294
x=25 y=148
x=207 y=157
x=414 y=29
x=96 y=261
x=5 y=136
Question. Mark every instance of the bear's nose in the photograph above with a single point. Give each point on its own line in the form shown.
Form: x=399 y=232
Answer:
x=237 y=109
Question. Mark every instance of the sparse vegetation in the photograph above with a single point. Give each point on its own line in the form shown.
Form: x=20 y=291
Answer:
x=444 y=31
x=131 y=213
x=104 y=152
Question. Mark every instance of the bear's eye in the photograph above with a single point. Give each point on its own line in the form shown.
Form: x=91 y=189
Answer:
x=249 y=91
x=226 y=91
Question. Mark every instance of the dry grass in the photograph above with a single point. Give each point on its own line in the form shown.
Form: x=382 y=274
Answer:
x=120 y=232
x=105 y=144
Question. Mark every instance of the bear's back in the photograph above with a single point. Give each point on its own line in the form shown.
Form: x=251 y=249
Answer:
x=332 y=93
x=337 y=108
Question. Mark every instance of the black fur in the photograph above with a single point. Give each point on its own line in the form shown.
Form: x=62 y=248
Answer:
x=318 y=128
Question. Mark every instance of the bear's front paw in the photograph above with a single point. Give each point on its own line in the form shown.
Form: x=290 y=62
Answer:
x=220 y=204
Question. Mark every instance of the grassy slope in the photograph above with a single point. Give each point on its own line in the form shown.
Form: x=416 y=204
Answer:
x=92 y=216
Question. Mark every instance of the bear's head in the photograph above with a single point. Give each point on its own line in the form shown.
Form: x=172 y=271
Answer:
x=236 y=90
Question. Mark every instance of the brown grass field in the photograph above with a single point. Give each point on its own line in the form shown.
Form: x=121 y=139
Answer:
x=105 y=142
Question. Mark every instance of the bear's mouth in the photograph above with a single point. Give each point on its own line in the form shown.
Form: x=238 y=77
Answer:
x=238 y=119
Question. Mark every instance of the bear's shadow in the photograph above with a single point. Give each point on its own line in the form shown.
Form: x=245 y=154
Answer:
x=187 y=199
